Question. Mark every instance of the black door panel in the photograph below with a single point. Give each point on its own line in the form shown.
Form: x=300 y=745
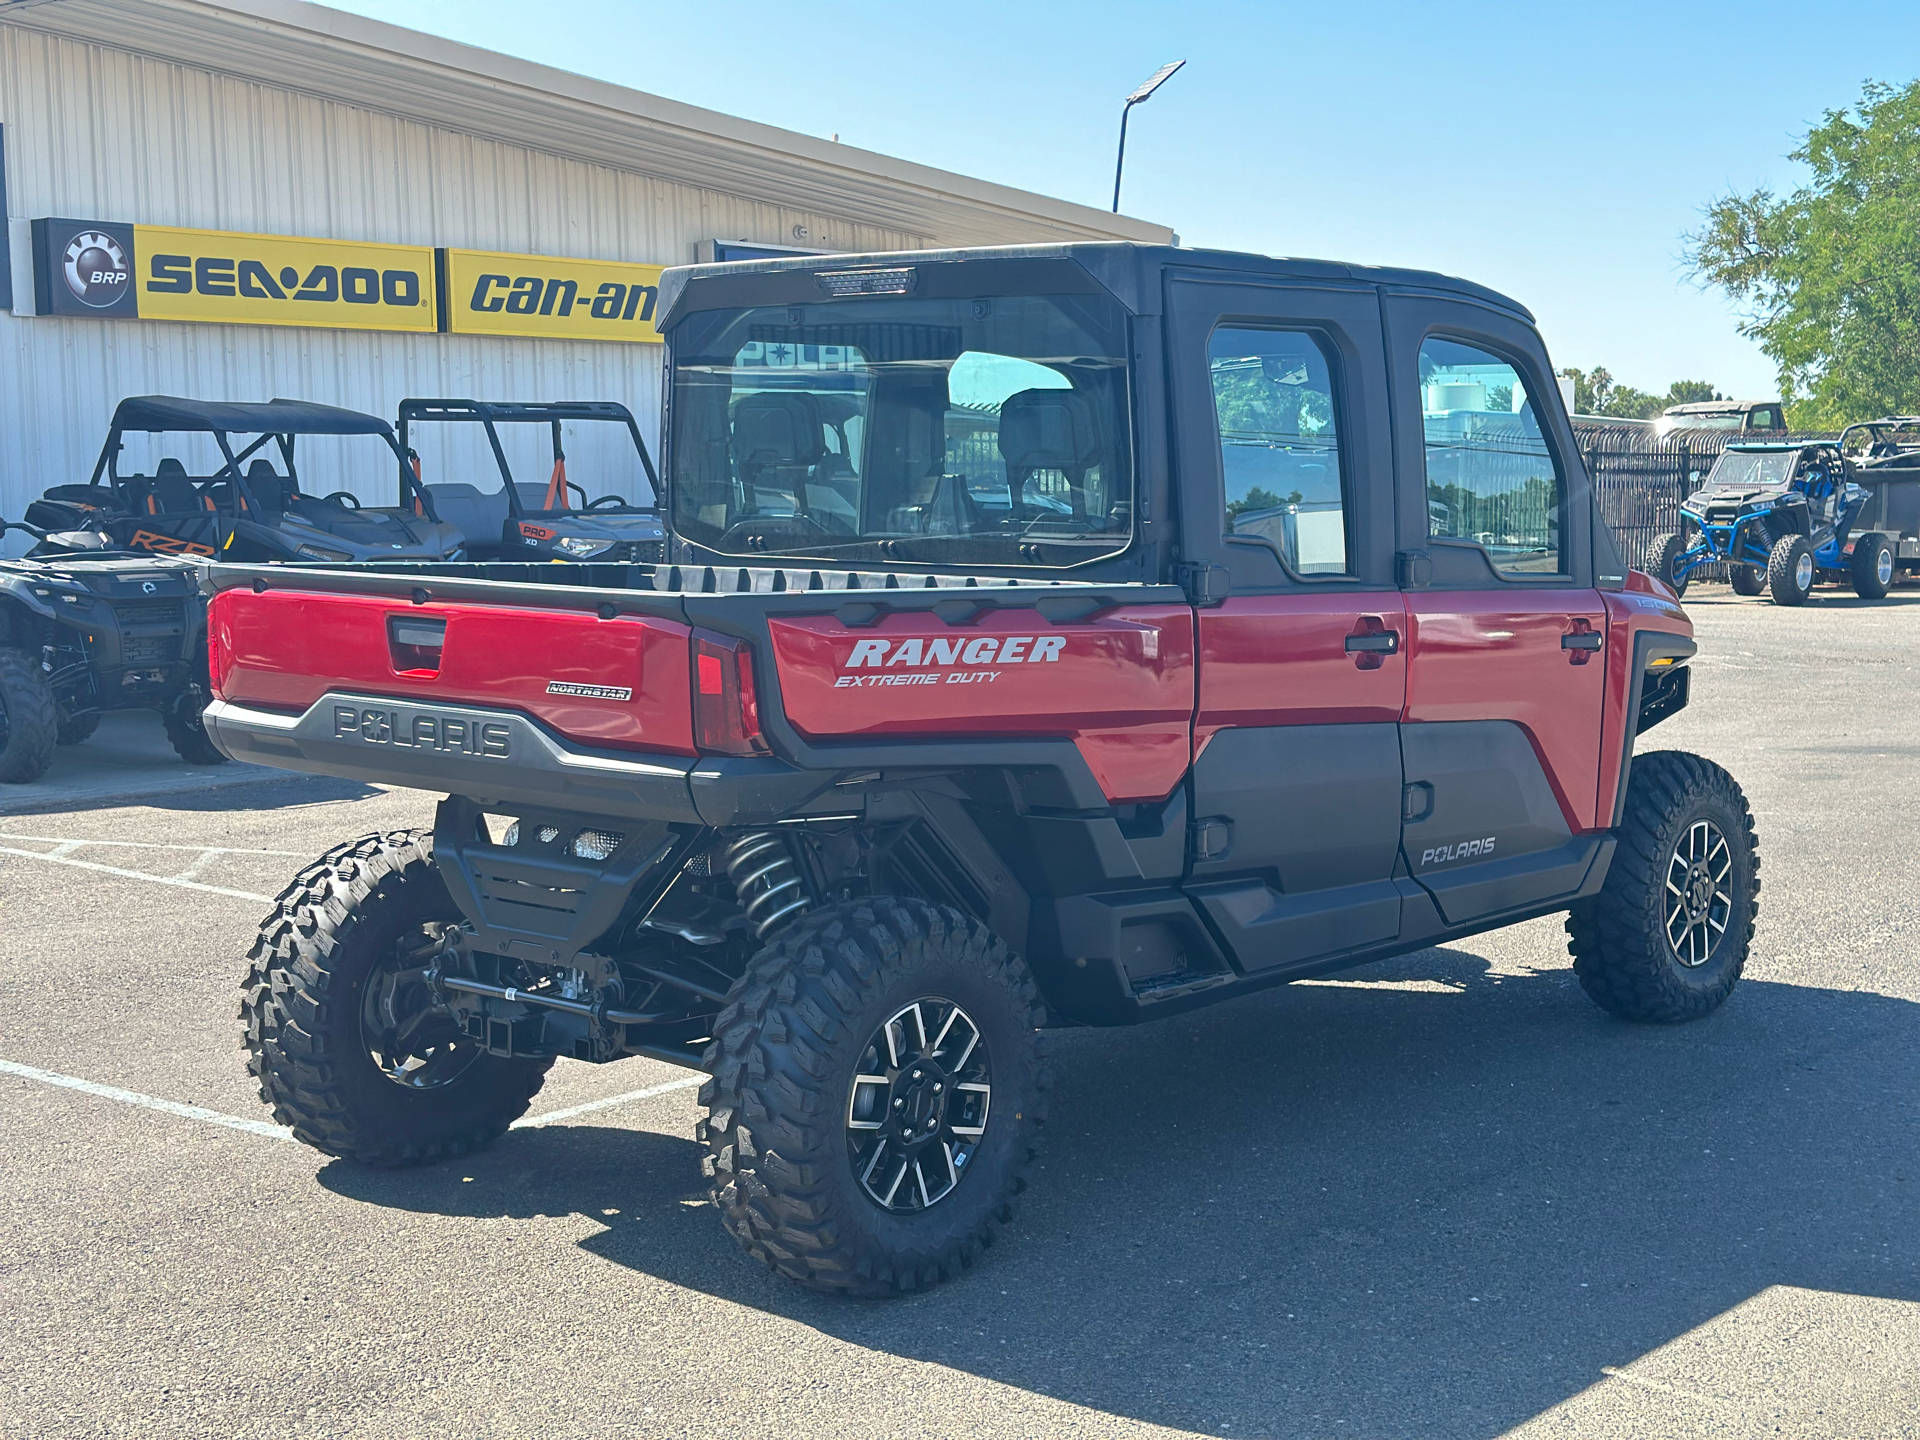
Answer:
x=1318 y=804
x=1485 y=832
x=1313 y=830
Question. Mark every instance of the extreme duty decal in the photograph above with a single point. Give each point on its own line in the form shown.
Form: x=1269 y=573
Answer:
x=913 y=656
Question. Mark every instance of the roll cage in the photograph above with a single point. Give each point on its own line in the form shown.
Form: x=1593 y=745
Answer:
x=279 y=422
x=491 y=413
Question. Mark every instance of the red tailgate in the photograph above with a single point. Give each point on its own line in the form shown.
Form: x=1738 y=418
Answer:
x=284 y=649
x=1120 y=687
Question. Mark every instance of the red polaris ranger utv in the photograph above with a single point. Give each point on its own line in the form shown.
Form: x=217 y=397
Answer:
x=1049 y=636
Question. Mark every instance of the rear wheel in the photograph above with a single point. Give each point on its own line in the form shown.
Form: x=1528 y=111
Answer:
x=1871 y=568
x=1790 y=571
x=29 y=728
x=343 y=1031
x=1667 y=936
x=1662 y=556
x=876 y=1097
x=1746 y=579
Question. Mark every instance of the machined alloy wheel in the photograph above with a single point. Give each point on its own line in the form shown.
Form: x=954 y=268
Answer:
x=1699 y=898
x=1803 y=571
x=918 y=1106
x=1667 y=936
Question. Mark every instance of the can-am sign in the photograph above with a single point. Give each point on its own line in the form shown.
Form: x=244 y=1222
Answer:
x=157 y=272
x=539 y=295
x=154 y=272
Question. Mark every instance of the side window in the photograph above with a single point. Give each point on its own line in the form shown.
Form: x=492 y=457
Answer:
x=1491 y=478
x=1274 y=403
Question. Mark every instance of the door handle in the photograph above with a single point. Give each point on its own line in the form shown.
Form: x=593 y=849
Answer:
x=1385 y=642
x=1584 y=640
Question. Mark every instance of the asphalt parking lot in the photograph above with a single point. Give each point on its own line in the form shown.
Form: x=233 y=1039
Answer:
x=1441 y=1197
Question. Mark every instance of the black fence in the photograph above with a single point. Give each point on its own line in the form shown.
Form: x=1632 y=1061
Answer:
x=1640 y=476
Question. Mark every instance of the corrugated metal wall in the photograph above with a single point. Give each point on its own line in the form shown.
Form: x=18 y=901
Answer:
x=99 y=134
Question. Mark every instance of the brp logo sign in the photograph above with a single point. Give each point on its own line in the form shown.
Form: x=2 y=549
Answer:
x=96 y=269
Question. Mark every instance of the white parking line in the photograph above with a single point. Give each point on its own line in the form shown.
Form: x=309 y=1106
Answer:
x=150 y=1102
x=179 y=880
x=534 y=1122
x=281 y=1132
x=69 y=842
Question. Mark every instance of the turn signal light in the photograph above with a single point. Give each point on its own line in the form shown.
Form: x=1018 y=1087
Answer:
x=726 y=712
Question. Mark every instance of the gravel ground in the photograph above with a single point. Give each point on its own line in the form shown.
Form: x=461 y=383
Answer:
x=1442 y=1197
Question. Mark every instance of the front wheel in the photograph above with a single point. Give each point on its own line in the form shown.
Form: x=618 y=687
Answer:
x=1790 y=571
x=1871 y=568
x=1663 y=557
x=29 y=724
x=876 y=1098
x=187 y=729
x=1667 y=936
x=341 y=1026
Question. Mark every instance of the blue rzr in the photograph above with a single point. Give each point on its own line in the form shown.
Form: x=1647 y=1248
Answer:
x=1774 y=515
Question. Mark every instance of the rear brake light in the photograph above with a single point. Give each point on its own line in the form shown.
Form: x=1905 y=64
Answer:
x=726 y=712
x=219 y=654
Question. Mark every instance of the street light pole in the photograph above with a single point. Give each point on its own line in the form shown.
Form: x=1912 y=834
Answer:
x=1153 y=83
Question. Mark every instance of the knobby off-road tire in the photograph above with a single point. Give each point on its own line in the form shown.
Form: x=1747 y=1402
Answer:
x=1746 y=579
x=187 y=730
x=334 y=935
x=1660 y=558
x=29 y=725
x=1790 y=571
x=781 y=1104
x=73 y=729
x=1680 y=810
x=1871 y=567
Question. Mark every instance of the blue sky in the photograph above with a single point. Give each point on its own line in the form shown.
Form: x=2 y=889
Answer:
x=1555 y=152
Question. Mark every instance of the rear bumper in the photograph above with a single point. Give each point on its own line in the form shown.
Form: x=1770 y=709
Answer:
x=492 y=755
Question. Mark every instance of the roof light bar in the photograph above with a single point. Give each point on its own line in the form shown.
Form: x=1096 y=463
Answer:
x=870 y=282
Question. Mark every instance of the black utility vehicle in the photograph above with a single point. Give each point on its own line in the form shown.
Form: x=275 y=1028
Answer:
x=91 y=631
x=1065 y=635
x=515 y=500
x=220 y=478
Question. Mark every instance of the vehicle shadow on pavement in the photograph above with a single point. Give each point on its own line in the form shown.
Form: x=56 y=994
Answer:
x=1424 y=1199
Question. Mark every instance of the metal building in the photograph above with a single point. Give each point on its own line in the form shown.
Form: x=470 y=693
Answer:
x=180 y=175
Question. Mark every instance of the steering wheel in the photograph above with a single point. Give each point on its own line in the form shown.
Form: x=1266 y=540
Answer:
x=346 y=499
x=608 y=502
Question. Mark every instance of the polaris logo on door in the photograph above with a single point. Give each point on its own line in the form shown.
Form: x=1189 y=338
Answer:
x=907 y=662
x=1460 y=850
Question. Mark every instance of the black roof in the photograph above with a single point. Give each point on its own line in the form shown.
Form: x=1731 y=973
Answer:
x=1130 y=272
x=275 y=417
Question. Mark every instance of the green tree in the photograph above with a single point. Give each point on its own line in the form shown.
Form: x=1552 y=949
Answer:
x=1830 y=274
x=1595 y=392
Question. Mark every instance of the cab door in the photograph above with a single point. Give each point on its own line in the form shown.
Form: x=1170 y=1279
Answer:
x=1285 y=487
x=1506 y=632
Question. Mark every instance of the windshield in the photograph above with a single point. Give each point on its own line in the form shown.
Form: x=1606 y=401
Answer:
x=965 y=431
x=1722 y=421
x=554 y=466
x=1770 y=468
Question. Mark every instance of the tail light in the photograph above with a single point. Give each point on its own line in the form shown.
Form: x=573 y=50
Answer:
x=219 y=651
x=726 y=712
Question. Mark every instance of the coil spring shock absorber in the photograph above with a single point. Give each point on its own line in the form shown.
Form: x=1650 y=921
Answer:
x=766 y=880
